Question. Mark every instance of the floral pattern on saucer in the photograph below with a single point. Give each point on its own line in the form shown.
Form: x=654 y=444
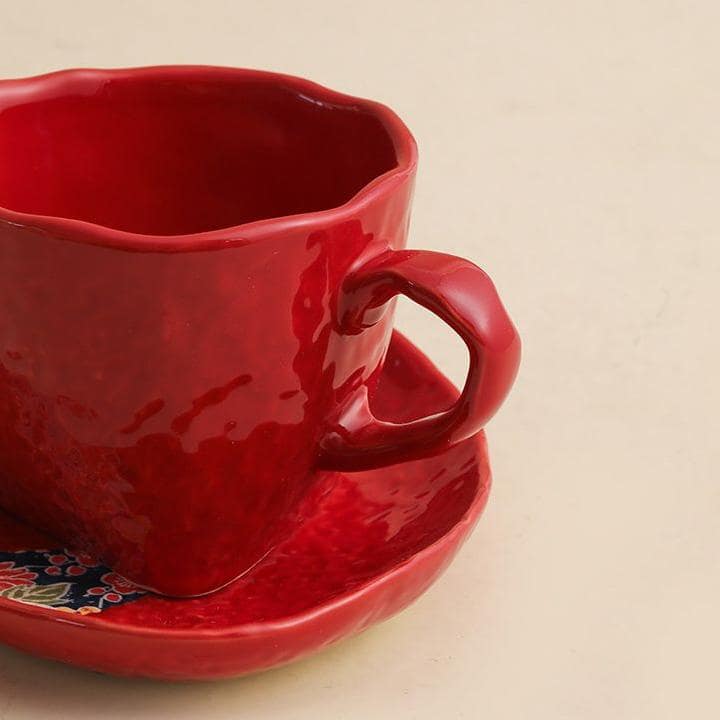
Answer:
x=63 y=580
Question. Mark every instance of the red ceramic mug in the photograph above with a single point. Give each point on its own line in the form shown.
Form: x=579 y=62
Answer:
x=196 y=266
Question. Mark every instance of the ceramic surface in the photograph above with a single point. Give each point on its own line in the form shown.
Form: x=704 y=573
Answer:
x=196 y=274
x=363 y=546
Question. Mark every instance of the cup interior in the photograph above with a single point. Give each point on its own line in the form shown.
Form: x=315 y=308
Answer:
x=175 y=155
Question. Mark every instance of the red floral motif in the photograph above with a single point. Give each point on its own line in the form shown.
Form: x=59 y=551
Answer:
x=84 y=559
x=11 y=576
x=119 y=584
x=61 y=580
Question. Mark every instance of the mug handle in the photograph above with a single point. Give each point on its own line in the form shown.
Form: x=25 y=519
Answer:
x=462 y=295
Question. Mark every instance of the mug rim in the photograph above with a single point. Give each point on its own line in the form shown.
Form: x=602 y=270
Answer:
x=96 y=234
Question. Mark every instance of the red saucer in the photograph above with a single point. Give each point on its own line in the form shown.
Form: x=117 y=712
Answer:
x=364 y=545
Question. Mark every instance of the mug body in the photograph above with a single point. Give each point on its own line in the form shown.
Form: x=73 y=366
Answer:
x=172 y=246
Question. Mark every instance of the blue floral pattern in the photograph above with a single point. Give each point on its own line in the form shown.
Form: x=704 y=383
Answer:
x=63 y=580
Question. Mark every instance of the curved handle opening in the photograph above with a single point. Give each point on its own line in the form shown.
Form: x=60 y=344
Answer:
x=464 y=297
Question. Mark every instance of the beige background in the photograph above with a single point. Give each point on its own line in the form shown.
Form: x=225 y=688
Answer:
x=572 y=149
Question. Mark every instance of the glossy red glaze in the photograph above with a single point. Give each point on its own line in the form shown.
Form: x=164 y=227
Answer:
x=195 y=269
x=363 y=546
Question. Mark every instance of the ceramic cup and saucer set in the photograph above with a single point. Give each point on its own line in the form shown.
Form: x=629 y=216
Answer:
x=216 y=456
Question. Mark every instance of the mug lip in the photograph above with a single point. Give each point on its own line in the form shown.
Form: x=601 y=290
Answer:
x=26 y=88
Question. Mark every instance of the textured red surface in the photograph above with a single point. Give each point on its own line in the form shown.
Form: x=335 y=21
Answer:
x=165 y=396
x=364 y=545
